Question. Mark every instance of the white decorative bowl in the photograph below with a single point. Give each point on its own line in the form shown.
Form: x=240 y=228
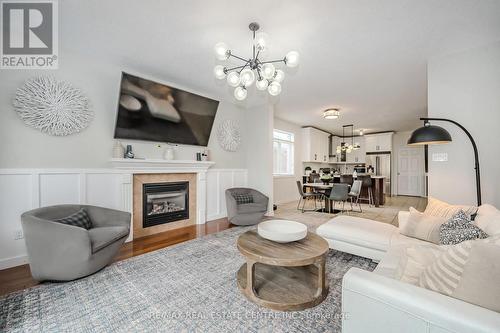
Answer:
x=282 y=231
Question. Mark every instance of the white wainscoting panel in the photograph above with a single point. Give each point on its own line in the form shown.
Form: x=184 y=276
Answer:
x=22 y=190
x=218 y=181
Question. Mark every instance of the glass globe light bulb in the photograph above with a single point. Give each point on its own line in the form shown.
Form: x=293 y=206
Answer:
x=292 y=59
x=247 y=77
x=233 y=79
x=262 y=84
x=219 y=72
x=240 y=93
x=261 y=41
x=339 y=150
x=274 y=88
x=268 y=71
x=221 y=51
x=279 y=76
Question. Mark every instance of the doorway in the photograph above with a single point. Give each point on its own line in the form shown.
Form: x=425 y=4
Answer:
x=411 y=173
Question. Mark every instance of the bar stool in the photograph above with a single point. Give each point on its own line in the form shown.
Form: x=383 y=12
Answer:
x=368 y=184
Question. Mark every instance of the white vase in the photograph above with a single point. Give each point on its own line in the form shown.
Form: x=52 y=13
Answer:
x=118 y=150
x=169 y=153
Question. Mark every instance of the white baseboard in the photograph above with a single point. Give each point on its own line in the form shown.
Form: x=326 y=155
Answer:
x=12 y=262
x=216 y=217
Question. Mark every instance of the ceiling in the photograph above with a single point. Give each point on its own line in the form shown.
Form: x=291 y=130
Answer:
x=366 y=57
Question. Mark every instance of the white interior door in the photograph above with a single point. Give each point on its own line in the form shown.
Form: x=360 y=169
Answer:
x=410 y=172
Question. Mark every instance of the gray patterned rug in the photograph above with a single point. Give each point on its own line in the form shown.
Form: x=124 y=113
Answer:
x=188 y=287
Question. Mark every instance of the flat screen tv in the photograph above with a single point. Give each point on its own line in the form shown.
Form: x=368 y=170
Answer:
x=152 y=111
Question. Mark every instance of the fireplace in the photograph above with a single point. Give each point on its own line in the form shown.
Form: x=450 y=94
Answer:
x=164 y=203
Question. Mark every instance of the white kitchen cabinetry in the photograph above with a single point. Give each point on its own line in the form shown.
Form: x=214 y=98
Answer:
x=315 y=145
x=358 y=155
x=378 y=142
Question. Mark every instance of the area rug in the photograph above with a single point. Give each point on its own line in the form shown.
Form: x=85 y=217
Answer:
x=189 y=287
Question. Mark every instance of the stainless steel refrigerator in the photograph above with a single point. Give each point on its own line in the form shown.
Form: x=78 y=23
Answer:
x=382 y=165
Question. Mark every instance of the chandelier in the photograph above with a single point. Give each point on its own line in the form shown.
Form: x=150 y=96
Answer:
x=263 y=73
x=345 y=147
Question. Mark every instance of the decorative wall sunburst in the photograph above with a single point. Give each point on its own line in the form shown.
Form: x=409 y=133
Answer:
x=228 y=134
x=53 y=107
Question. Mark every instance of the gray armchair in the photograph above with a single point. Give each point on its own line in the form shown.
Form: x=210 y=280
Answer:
x=61 y=252
x=245 y=213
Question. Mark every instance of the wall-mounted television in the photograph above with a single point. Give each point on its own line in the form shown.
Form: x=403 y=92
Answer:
x=153 y=111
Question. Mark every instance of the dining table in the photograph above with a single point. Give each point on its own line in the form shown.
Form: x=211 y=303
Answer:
x=325 y=188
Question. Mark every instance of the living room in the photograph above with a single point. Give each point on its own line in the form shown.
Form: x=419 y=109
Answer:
x=215 y=166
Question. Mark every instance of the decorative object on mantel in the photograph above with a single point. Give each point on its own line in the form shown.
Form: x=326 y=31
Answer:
x=344 y=147
x=169 y=153
x=263 y=73
x=53 y=107
x=129 y=153
x=118 y=150
x=228 y=134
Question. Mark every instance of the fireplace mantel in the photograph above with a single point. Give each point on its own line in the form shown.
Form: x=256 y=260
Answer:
x=145 y=165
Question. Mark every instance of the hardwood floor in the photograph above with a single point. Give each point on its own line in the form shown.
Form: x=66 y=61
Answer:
x=18 y=278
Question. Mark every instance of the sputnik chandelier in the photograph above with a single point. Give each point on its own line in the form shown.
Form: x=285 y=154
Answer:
x=263 y=73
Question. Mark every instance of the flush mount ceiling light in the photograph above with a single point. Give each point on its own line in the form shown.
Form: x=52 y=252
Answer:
x=331 y=114
x=263 y=73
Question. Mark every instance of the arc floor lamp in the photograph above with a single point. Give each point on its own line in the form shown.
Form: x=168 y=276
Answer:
x=431 y=134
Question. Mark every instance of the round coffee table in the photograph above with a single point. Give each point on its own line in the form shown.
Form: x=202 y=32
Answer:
x=285 y=277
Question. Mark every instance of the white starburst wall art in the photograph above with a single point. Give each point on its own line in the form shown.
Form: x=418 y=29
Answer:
x=228 y=134
x=53 y=107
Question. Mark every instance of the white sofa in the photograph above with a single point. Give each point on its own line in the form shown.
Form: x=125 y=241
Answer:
x=376 y=302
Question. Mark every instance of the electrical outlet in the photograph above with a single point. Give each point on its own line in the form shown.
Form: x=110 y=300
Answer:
x=18 y=234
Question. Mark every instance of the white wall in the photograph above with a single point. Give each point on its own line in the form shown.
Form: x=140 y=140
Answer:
x=465 y=87
x=259 y=161
x=285 y=187
x=25 y=147
x=399 y=141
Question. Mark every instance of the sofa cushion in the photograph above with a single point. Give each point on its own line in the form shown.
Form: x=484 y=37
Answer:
x=243 y=198
x=104 y=236
x=251 y=208
x=440 y=208
x=358 y=231
x=458 y=229
x=469 y=271
x=488 y=219
x=422 y=226
x=79 y=219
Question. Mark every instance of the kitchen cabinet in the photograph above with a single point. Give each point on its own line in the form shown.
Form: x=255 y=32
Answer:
x=378 y=142
x=315 y=145
x=358 y=155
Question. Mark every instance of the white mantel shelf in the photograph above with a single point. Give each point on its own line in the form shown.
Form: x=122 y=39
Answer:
x=160 y=164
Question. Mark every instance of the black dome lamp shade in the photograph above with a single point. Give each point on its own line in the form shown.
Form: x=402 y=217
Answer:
x=430 y=134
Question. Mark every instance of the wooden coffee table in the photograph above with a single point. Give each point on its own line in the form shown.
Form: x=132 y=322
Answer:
x=285 y=277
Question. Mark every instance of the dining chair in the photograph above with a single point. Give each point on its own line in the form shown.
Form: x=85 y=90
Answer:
x=339 y=193
x=354 y=194
x=305 y=196
x=346 y=179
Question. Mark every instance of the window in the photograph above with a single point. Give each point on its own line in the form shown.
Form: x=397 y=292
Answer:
x=282 y=153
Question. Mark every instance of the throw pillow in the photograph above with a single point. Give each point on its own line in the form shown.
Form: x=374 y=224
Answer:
x=440 y=208
x=458 y=229
x=243 y=198
x=79 y=219
x=415 y=260
x=488 y=219
x=469 y=271
x=422 y=226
